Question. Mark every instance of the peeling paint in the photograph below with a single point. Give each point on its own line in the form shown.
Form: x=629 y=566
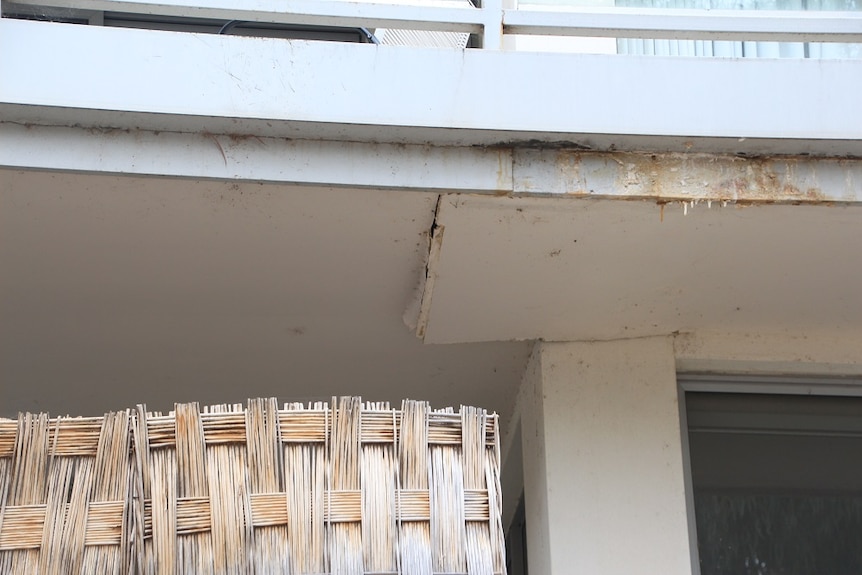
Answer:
x=688 y=177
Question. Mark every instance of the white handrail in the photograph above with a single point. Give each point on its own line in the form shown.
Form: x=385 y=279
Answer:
x=300 y=12
x=685 y=24
x=491 y=21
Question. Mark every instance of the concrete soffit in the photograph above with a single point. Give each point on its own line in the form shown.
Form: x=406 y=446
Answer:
x=532 y=224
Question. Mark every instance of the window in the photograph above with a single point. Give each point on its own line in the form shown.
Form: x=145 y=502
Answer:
x=777 y=482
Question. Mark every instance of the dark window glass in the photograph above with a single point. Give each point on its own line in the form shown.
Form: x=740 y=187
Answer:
x=516 y=542
x=777 y=483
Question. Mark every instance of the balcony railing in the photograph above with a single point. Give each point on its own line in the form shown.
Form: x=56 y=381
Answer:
x=492 y=23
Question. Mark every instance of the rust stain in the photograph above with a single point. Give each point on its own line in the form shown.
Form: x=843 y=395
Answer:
x=569 y=166
x=692 y=177
x=815 y=195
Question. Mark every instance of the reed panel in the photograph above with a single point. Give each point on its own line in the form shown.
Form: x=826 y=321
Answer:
x=344 y=488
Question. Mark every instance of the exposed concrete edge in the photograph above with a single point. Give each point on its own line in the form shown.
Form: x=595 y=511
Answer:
x=431 y=271
x=236 y=156
x=687 y=178
x=58 y=116
x=415 y=317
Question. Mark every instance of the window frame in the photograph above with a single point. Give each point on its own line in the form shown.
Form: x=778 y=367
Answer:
x=739 y=383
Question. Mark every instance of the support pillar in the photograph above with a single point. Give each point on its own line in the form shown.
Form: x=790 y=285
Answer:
x=603 y=460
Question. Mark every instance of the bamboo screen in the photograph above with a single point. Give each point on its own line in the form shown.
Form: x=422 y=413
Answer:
x=346 y=488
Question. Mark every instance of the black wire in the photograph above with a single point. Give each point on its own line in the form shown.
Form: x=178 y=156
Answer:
x=371 y=37
x=230 y=26
x=234 y=23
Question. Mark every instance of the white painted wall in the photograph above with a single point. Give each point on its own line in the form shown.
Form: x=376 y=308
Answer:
x=820 y=352
x=603 y=460
x=536 y=496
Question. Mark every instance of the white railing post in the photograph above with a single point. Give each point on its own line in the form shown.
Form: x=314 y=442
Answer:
x=509 y=40
x=492 y=22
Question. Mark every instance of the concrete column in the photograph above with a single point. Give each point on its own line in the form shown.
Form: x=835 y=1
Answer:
x=603 y=460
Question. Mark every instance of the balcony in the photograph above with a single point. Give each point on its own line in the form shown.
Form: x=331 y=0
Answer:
x=499 y=93
x=211 y=199
x=583 y=195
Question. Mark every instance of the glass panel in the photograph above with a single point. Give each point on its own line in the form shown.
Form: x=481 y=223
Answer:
x=818 y=5
x=745 y=534
x=777 y=483
x=742 y=49
x=721 y=49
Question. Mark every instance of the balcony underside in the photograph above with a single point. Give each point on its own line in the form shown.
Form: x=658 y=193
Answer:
x=119 y=289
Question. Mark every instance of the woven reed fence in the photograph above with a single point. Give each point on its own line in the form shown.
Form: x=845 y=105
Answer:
x=346 y=488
